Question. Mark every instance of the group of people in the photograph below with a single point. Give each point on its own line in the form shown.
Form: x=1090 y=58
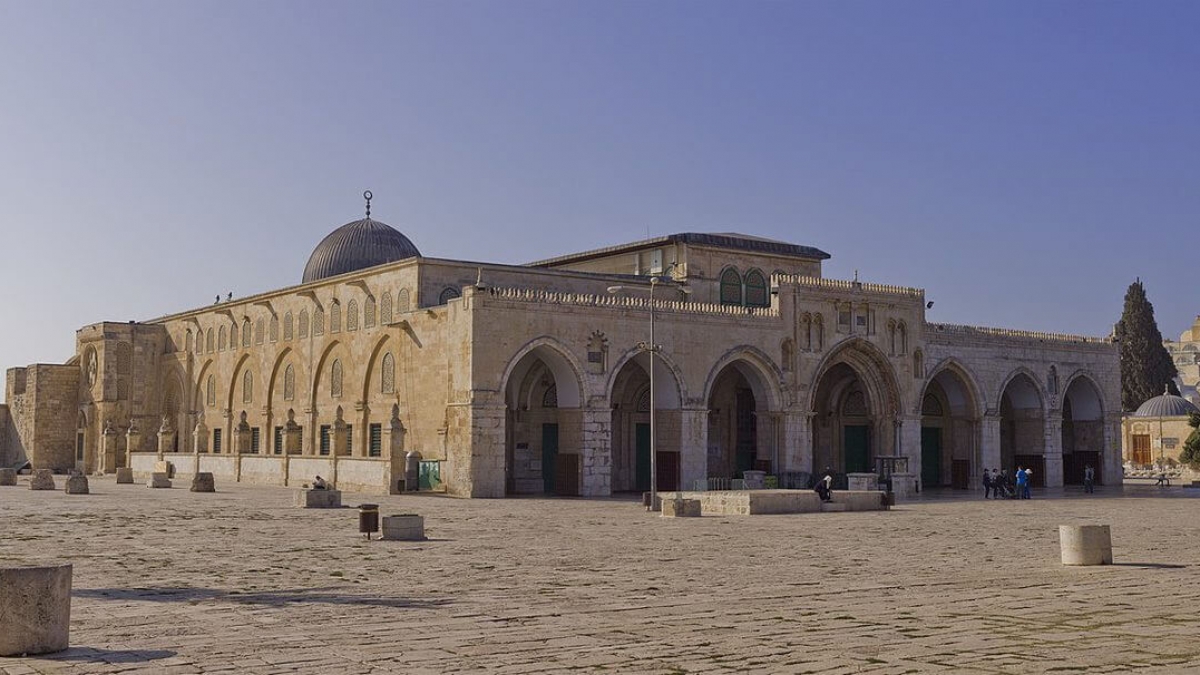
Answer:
x=998 y=484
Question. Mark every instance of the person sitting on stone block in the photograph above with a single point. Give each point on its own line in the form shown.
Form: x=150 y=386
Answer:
x=320 y=484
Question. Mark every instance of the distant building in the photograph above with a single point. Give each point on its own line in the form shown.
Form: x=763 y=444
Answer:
x=528 y=379
x=1155 y=432
x=1186 y=354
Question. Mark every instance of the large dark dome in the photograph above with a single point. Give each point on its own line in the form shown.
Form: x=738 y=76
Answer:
x=355 y=246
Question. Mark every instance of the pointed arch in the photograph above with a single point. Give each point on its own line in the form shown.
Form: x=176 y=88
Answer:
x=352 y=315
x=566 y=369
x=871 y=366
x=233 y=381
x=403 y=301
x=369 y=312
x=385 y=308
x=974 y=395
x=666 y=370
x=762 y=373
x=287 y=325
x=1035 y=386
x=333 y=351
x=1082 y=405
x=378 y=354
x=281 y=364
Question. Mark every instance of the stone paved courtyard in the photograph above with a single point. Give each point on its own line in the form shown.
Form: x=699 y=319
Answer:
x=168 y=581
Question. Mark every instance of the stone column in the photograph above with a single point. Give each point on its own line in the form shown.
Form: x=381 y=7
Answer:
x=166 y=438
x=989 y=440
x=1110 y=458
x=910 y=445
x=228 y=442
x=360 y=435
x=595 y=452
x=199 y=443
x=797 y=451
x=1053 y=450
x=133 y=443
x=477 y=469
x=693 y=446
x=311 y=444
x=108 y=449
x=393 y=442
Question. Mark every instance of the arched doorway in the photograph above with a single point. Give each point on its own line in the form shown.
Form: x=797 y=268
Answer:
x=855 y=407
x=1023 y=429
x=741 y=435
x=631 y=411
x=543 y=424
x=949 y=431
x=1082 y=430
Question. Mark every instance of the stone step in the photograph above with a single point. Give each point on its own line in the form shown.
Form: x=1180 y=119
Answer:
x=832 y=507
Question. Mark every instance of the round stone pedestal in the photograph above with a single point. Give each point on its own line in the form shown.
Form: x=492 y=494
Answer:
x=1085 y=544
x=35 y=609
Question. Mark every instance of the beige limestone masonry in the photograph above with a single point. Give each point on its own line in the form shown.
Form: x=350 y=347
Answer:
x=513 y=380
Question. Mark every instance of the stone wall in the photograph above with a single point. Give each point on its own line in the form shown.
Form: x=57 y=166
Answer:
x=43 y=408
x=8 y=453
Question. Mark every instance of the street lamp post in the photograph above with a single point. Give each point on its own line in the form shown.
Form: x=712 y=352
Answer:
x=651 y=348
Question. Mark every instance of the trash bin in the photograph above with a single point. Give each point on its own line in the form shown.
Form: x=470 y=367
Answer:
x=368 y=519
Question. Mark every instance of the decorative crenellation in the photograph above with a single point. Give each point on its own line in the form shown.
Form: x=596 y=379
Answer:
x=627 y=302
x=840 y=285
x=955 y=329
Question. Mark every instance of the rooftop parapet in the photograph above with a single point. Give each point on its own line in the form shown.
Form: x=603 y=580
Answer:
x=820 y=283
x=628 y=302
x=1009 y=333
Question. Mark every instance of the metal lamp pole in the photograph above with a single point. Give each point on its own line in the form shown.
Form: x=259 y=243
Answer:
x=651 y=347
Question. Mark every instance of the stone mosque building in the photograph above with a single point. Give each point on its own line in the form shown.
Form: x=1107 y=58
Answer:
x=529 y=379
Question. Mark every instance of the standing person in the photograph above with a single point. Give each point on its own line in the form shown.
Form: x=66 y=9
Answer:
x=1022 y=482
x=999 y=490
x=1089 y=479
x=987 y=484
x=1028 y=484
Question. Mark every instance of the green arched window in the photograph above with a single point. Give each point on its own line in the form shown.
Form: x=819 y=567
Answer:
x=731 y=287
x=756 y=289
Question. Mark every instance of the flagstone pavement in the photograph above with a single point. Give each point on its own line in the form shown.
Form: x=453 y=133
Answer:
x=239 y=581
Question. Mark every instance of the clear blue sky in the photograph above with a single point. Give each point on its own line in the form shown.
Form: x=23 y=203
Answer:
x=1021 y=161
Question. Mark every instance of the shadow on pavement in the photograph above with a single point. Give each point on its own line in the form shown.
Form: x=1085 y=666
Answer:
x=268 y=598
x=97 y=655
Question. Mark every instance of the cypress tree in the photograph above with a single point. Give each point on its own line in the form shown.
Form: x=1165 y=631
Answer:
x=1146 y=367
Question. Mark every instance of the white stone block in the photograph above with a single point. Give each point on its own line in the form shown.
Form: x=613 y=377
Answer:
x=405 y=527
x=158 y=479
x=319 y=499
x=35 y=609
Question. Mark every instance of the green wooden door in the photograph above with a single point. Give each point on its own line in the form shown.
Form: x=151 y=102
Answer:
x=857 y=448
x=549 y=453
x=642 y=459
x=931 y=456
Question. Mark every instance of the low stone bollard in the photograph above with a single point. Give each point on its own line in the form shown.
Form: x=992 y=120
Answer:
x=77 y=485
x=203 y=482
x=165 y=467
x=8 y=476
x=43 y=479
x=125 y=476
x=319 y=499
x=158 y=479
x=754 y=480
x=681 y=508
x=35 y=609
x=405 y=527
x=1085 y=544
